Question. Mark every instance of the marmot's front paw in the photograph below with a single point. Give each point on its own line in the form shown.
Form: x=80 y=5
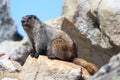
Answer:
x=32 y=54
x=36 y=55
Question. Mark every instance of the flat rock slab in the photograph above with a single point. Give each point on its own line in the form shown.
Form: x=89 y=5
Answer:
x=46 y=69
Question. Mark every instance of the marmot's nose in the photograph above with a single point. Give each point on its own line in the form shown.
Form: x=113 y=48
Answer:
x=23 y=21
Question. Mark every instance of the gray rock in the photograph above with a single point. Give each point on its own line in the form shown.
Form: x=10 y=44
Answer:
x=70 y=9
x=16 y=50
x=109 y=18
x=9 y=68
x=110 y=71
x=10 y=65
x=8 y=30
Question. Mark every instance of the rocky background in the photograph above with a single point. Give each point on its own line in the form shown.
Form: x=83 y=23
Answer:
x=93 y=24
x=8 y=30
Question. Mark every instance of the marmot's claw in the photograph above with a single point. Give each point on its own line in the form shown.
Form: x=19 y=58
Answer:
x=36 y=55
x=32 y=54
x=51 y=56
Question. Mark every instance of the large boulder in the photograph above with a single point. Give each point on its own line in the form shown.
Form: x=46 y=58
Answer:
x=107 y=13
x=46 y=69
x=16 y=50
x=8 y=30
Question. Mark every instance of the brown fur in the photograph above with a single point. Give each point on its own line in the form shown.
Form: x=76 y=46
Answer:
x=52 y=42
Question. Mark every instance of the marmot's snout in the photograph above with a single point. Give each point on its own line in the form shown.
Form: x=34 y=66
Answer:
x=24 y=20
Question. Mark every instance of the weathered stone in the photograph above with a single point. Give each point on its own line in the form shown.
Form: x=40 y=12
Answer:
x=44 y=69
x=9 y=68
x=110 y=71
x=86 y=20
x=107 y=13
x=16 y=50
x=109 y=18
x=56 y=23
x=4 y=74
x=8 y=30
x=88 y=25
x=94 y=4
x=10 y=65
x=70 y=9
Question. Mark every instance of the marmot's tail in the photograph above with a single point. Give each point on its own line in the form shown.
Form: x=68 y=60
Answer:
x=91 y=68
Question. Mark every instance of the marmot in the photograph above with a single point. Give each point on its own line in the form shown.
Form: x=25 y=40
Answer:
x=51 y=42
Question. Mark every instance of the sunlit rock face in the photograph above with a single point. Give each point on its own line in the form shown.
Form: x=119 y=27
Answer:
x=44 y=69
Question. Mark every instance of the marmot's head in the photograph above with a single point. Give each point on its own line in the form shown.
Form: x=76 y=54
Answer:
x=29 y=21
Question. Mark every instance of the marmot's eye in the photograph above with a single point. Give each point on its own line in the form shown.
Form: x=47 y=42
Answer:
x=35 y=17
x=30 y=17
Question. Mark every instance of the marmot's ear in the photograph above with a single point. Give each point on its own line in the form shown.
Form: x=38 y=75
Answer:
x=41 y=26
x=34 y=16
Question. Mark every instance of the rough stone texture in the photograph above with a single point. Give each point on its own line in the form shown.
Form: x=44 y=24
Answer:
x=46 y=69
x=109 y=17
x=86 y=22
x=5 y=74
x=9 y=68
x=94 y=4
x=16 y=50
x=107 y=13
x=70 y=9
x=110 y=71
x=8 y=30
